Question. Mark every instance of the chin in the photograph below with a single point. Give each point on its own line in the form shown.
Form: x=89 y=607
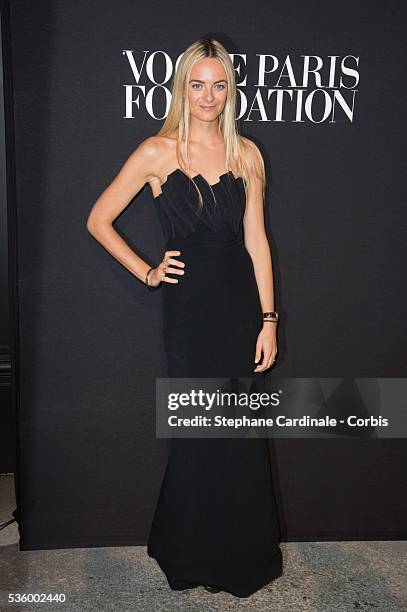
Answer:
x=209 y=115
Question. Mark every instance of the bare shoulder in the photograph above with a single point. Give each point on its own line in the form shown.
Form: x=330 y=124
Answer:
x=253 y=155
x=154 y=155
x=251 y=150
x=150 y=151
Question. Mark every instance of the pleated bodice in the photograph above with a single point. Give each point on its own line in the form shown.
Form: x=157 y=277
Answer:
x=178 y=204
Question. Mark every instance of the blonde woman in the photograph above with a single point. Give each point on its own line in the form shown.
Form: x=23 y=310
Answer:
x=215 y=523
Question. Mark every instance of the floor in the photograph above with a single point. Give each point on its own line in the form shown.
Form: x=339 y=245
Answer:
x=318 y=577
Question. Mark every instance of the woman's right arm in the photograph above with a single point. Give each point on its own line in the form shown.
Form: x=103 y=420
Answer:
x=132 y=177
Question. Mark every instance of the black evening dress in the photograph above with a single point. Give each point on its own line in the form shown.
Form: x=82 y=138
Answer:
x=216 y=519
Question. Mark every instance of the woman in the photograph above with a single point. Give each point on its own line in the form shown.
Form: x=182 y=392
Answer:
x=215 y=523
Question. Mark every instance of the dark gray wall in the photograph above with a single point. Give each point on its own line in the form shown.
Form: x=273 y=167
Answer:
x=7 y=416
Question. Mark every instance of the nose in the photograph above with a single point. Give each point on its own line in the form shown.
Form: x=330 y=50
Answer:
x=208 y=96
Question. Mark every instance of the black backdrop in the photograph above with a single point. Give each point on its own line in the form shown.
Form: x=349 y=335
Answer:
x=88 y=337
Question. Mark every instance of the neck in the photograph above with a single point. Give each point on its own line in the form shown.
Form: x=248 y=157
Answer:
x=205 y=132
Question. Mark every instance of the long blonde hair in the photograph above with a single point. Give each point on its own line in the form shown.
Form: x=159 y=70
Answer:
x=177 y=120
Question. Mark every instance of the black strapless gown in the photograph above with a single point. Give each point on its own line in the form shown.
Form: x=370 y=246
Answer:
x=216 y=519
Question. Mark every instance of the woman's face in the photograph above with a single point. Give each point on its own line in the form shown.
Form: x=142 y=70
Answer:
x=207 y=89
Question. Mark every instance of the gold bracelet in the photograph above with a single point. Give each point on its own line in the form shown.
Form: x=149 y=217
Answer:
x=271 y=317
x=148 y=272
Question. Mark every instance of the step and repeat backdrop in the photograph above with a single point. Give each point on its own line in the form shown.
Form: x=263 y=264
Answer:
x=321 y=91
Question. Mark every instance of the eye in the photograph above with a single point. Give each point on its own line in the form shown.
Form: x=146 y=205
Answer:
x=199 y=85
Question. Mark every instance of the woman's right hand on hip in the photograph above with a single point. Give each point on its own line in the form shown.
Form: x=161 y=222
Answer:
x=159 y=274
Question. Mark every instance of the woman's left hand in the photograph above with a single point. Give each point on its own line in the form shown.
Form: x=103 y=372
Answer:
x=266 y=343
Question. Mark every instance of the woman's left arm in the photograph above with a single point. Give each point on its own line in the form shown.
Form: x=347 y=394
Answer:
x=257 y=244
